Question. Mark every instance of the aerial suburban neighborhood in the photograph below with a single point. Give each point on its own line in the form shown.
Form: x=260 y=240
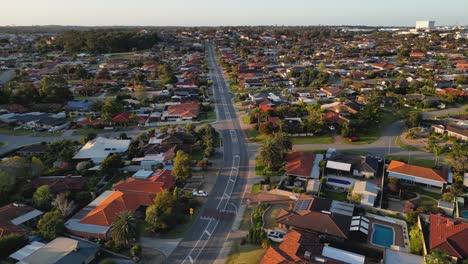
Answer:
x=234 y=144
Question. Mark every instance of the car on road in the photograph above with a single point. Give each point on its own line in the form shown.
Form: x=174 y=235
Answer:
x=354 y=139
x=275 y=236
x=199 y=193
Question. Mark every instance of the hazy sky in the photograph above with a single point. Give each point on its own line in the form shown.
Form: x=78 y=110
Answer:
x=232 y=12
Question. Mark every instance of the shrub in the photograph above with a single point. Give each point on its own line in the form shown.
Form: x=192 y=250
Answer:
x=135 y=251
x=112 y=246
x=11 y=243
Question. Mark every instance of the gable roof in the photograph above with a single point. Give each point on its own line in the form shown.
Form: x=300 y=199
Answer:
x=300 y=163
x=61 y=183
x=448 y=235
x=417 y=171
x=184 y=109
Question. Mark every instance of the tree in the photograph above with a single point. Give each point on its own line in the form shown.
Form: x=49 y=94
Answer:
x=65 y=206
x=26 y=94
x=124 y=230
x=111 y=163
x=54 y=89
x=282 y=141
x=270 y=155
x=17 y=167
x=42 y=197
x=110 y=108
x=437 y=152
x=7 y=185
x=162 y=213
x=36 y=167
x=414 y=119
x=416 y=240
x=51 y=225
x=448 y=197
x=437 y=257
x=458 y=157
x=182 y=163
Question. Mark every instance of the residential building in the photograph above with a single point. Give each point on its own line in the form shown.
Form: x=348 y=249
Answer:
x=100 y=148
x=431 y=179
x=448 y=235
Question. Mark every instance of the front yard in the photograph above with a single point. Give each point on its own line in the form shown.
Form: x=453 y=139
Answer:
x=245 y=254
x=312 y=140
x=420 y=162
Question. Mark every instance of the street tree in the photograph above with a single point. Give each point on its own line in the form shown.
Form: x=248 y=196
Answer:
x=125 y=230
x=182 y=164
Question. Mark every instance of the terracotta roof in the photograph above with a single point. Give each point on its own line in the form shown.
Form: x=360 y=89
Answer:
x=417 y=171
x=108 y=211
x=184 y=110
x=300 y=163
x=7 y=228
x=449 y=235
x=129 y=196
x=125 y=117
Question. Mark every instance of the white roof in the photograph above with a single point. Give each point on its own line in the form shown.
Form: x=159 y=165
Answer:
x=342 y=255
x=99 y=148
x=26 y=217
x=53 y=251
x=392 y=256
x=338 y=165
x=142 y=174
x=315 y=173
x=25 y=251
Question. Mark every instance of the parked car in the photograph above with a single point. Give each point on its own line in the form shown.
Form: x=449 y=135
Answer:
x=275 y=236
x=353 y=139
x=199 y=193
x=332 y=128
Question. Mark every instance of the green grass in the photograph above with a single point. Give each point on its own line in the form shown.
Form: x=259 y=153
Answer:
x=2 y=143
x=245 y=223
x=317 y=151
x=259 y=169
x=198 y=155
x=11 y=132
x=342 y=197
x=86 y=131
x=47 y=134
x=312 y=140
x=403 y=145
x=246 y=254
x=180 y=230
x=256 y=188
x=434 y=195
x=424 y=201
x=418 y=162
x=208 y=117
x=246 y=119
x=254 y=136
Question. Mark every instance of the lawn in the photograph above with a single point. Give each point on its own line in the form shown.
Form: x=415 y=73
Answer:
x=11 y=132
x=208 y=117
x=256 y=188
x=180 y=230
x=312 y=140
x=316 y=151
x=434 y=195
x=418 y=162
x=424 y=201
x=403 y=145
x=254 y=136
x=342 y=197
x=245 y=223
x=246 y=254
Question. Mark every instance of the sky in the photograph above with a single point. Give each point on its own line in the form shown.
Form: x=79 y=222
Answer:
x=232 y=12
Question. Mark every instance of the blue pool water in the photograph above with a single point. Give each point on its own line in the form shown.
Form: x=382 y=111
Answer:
x=465 y=214
x=338 y=181
x=382 y=235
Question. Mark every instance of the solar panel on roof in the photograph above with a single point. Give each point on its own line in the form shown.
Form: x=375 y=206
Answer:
x=302 y=205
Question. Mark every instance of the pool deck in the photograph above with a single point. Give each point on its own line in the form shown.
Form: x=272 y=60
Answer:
x=398 y=229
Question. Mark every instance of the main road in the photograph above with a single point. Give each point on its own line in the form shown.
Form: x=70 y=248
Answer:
x=203 y=241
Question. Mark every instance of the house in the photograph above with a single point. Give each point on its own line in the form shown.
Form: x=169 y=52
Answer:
x=58 y=184
x=392 y=256
x=133 y=194
x=329 y=218
x=125 y=118
x=299 y=246
x=431 y=179
x=61 y=250
x=100 y=148
x=368 y=192
x=13 y=216
x=448 y=235
x=361 y=166
x=183 y=111
x=303 y=164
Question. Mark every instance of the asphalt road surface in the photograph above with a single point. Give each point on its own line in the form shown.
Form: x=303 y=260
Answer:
x=204 y=240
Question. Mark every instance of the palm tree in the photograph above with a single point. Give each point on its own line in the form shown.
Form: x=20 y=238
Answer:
x=437 y=152
x=125 y=229
x=270 y=155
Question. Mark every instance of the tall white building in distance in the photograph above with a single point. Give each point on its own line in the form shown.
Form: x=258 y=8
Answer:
x=425 y=24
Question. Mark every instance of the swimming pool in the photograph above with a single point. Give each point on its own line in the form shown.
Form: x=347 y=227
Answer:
x=339 y=181
x=382 y=235
x=465 y=214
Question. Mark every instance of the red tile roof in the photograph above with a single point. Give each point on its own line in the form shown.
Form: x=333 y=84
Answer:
x=185 y=109
x=300 y=163
x=448 y=235
x=129 y=196
x=417 y=171
x=125 y=117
